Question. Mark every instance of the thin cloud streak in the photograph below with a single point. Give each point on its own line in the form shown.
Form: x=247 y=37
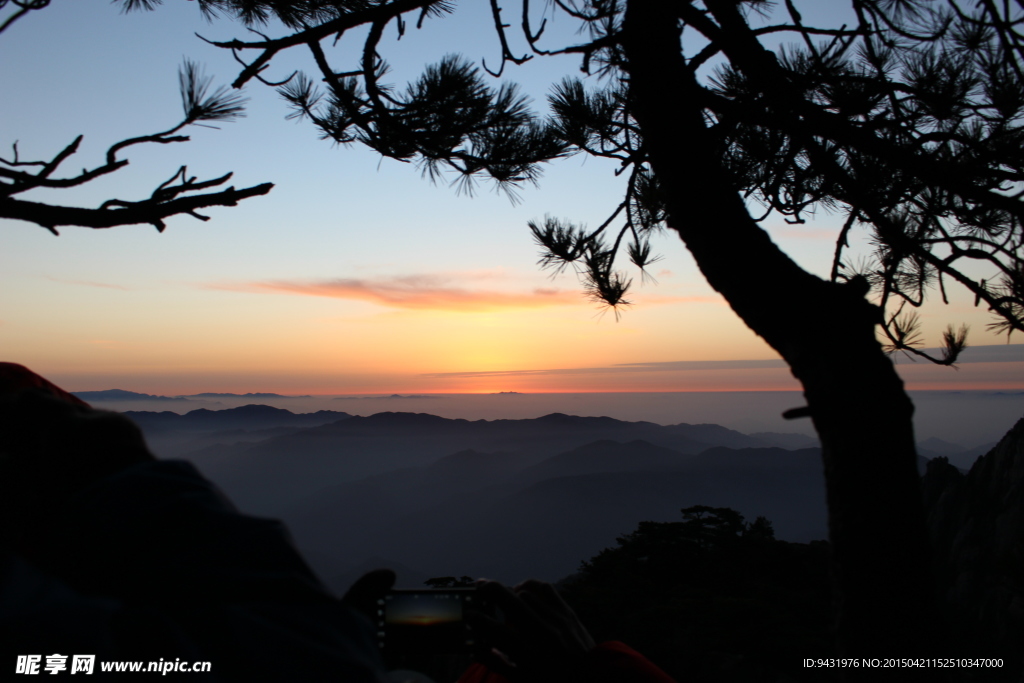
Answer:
x=89 y=283
x=1008 y=353
x=432 y=292
x=626 y=367
x=810 y=234
x=414 y=292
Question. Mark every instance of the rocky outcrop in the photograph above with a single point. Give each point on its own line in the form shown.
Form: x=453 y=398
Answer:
x=977 y=527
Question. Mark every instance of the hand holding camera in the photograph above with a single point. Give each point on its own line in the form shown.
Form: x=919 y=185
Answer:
x=540 y=639
x=525 y=633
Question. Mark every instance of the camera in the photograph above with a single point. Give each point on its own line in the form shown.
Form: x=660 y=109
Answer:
x=427 y=621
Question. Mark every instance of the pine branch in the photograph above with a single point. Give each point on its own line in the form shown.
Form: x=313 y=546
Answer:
x=152 y=211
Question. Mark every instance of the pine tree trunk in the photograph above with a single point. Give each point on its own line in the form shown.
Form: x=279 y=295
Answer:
x=826 y=333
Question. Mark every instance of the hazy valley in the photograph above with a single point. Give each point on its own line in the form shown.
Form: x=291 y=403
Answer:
x=506 y=499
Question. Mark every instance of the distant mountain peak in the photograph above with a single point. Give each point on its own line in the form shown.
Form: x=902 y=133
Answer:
x=253 y=409
x=413 y=418
x=937 y=445
x=578 y=419
x=122 y=395
x=211 y=394
x=254 y=416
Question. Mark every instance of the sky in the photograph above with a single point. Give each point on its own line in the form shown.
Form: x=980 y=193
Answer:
x=355 y=274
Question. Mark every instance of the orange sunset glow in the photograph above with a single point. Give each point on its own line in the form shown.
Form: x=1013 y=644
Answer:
x=354 y=274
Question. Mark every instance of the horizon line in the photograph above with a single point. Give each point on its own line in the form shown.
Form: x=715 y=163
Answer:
x=431 y=394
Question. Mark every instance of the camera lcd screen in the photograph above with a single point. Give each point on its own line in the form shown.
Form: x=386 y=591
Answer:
x=425 y=620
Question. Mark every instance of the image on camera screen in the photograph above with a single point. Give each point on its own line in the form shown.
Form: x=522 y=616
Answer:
x=424 y=620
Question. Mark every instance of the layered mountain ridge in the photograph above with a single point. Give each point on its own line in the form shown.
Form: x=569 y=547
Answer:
x=506 y=499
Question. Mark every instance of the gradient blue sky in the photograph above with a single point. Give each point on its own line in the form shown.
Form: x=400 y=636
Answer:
x=354 y=274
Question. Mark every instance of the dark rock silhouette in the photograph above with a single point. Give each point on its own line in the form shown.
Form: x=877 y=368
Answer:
x=977 y=526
